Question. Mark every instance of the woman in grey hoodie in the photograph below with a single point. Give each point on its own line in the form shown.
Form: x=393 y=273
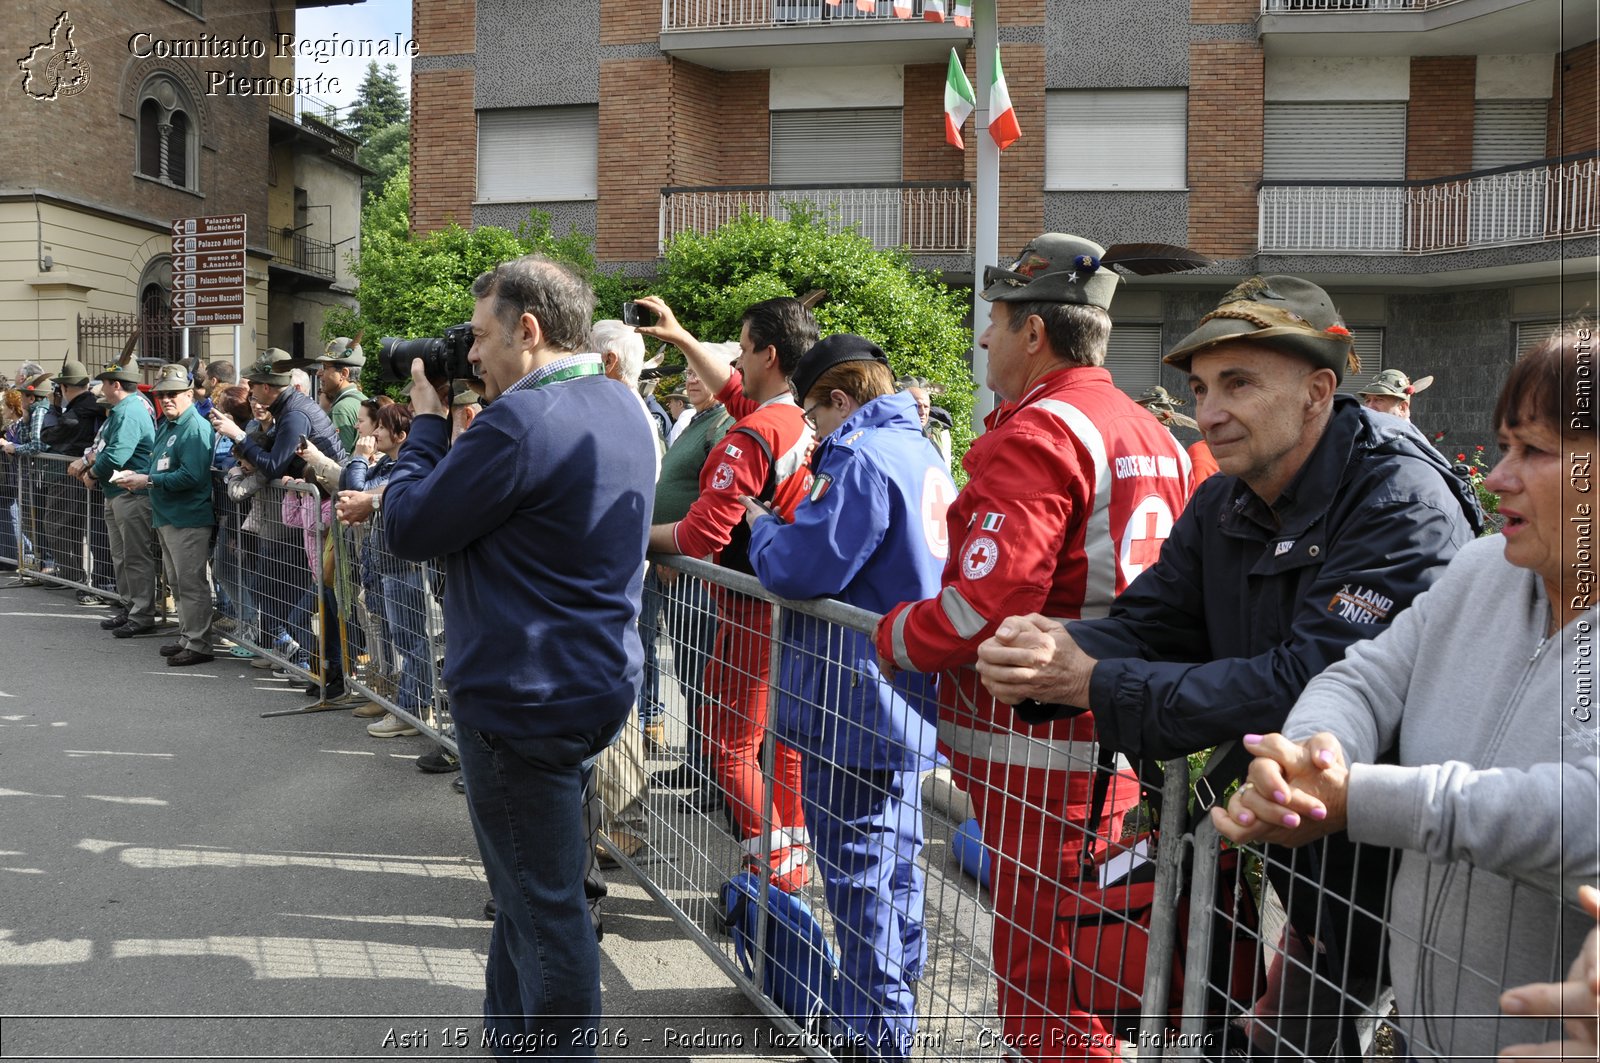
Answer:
x=1466 y=735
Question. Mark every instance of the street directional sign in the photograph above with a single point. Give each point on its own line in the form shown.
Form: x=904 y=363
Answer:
x=208 y=271
x=217 y=224
x=229 y=278
x=206 y=318
x=209 y=261
x=199 y=300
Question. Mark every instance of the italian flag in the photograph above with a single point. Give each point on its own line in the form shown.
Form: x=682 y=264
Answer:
x=1002 y=117
x=902 y=8
x=958 y=101
x=933 y=10
x=963 y=15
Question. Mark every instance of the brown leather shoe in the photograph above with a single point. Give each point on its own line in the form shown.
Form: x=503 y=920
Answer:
x=184 y=658
x=370 y=710
x=628 y=845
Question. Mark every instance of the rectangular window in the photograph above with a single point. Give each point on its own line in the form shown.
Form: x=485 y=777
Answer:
x=1123 y=140
x=1369 y=348
x=857 y=145
x=538 y=153
x=1508 y=132
x=1133 y=356
x=1363 y=141
x=1529 y=334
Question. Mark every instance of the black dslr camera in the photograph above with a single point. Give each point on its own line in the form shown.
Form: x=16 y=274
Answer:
x=443 y=357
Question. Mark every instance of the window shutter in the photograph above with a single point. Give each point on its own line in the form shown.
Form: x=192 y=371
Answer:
x=1506 y=132
x=851 y=144
x=540 y=153
x=1532 y=333
x=1122 y=139
x=1133 y=357
x=1368 y=340
x=1335 y=141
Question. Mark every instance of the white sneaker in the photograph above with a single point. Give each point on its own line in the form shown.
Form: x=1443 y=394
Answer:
x=391 y=726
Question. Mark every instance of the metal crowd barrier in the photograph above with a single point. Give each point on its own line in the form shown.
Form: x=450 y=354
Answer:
x=268 y=561
x=393 y=629
x=1414 y=978
x=59 y=532
x=713 y=793
x=729 y=802
x=1308 y=978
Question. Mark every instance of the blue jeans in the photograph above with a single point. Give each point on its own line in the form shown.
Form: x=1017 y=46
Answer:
x=525 y=797
x=405 y=612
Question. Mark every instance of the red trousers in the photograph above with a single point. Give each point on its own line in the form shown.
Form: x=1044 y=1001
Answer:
x=1033 y=825
x=735 y=723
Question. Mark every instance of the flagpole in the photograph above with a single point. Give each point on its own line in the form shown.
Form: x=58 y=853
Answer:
x=986 y=194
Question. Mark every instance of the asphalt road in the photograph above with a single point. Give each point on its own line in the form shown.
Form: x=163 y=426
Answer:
x=184 y=879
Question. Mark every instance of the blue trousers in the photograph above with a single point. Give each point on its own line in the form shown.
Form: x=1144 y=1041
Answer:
x=525 y=798
x=866 y=834
x=405 y=611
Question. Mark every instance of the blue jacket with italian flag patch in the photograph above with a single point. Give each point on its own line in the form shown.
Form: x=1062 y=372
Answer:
x=870 y=533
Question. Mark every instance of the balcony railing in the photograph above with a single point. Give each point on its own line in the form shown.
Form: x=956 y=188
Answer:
x=922 y=218
x=1498 y=208
x=756 y=14
x=1295 y=7
x=295 y=249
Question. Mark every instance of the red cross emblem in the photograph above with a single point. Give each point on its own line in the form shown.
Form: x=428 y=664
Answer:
x=980 y=558
x=1148 y=527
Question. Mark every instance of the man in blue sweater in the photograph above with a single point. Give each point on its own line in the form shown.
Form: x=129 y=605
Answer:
x=541 y=514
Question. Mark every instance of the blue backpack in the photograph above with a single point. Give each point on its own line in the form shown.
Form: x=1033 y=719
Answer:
x=801 y=971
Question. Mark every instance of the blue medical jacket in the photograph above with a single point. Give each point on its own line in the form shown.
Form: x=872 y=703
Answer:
x=871 y=533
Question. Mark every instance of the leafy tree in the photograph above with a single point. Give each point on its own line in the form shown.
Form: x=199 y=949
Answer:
x=385 y=153
x=380 y=102
x=411 y=285
x=709 y=280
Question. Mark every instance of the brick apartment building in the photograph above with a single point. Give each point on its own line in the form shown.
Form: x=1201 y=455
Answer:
x=1432 y=162
x=114 y=129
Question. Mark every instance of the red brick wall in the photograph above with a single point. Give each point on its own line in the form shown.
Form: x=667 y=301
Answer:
x=1224 y=11
x=924 y=154
x=86 y=145
x=1574 y=122
x=739 y=127
x=635 y=159
x=1439 y=116
x=1225 y=145
x=444 y=158
x=630 y=21
x=1017 y=13
x=444 y=27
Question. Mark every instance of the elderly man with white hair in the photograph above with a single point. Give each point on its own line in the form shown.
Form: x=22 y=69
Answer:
x=620 y=775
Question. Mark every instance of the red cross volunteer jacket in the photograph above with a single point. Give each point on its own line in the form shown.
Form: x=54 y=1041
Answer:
x=1071 y=492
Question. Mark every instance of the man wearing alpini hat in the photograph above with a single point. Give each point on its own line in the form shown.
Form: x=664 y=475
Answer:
x=179 y=482
x=1390 y=392
x=339 y=375
x=125 y=449
x=1327 y=520
x=1164 y=407
x=1071 y=491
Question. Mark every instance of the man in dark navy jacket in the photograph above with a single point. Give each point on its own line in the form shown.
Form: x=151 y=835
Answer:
x=1326 y=521
x=541 y=513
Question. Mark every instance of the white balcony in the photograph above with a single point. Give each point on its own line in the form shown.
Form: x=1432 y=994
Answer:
x=921 y=218
x=762 y=34
x=1524 y=205
x=1424 y=27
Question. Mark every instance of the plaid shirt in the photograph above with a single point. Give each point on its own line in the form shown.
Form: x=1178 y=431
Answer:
x=33 y=444
x=542 y=374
